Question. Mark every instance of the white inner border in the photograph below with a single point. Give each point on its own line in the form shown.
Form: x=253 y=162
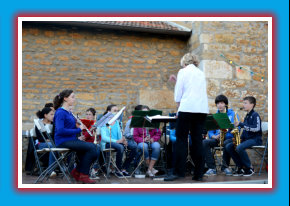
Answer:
x=189 y=185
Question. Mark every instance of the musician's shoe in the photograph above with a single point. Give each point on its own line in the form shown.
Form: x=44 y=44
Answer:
x=75 y=174
x=119 y=174
x=137 y=171
x=126 y=174
x=197 y=178
x=210 y=172
x=149 y=173
x=248 y=172
x=227 y=172
x=154 y=171
x=53 y=174
x=239 y=172
x=172 y=178
x=86 y=179
x=94 y=176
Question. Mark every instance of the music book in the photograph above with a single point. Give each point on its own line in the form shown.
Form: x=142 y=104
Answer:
x=218 y=121
x=159 y=117
x=138 y=120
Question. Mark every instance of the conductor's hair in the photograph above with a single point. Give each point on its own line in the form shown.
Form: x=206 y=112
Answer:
x=188 y=59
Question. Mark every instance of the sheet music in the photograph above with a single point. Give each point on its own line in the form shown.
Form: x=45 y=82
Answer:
x=159 y=117
x=116 y=116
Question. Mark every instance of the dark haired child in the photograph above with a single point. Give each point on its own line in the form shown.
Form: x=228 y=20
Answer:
x=251 y=135
x=65 y=135
x=221 y=102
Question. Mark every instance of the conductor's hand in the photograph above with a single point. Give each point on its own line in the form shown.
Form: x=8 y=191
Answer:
x=172 y=78
x=151 y=140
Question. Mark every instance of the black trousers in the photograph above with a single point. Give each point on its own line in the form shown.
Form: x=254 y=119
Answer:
x=193 y=122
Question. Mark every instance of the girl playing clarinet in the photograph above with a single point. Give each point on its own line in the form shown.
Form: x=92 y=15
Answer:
x=65 y=135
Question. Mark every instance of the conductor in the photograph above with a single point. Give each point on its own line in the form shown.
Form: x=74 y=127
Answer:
x=192 y=106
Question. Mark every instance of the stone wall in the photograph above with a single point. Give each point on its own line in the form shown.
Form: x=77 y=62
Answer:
x=245 y=43
x=129 y=68
x=102 y=66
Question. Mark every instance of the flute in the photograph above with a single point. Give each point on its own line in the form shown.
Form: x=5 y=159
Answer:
x=80 y=122
x=95 y=140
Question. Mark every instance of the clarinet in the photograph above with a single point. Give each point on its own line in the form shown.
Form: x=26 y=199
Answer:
x=121 y=127
x=80 y=122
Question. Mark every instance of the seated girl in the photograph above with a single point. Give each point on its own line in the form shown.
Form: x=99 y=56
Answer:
x=114 y=139
x=151 y=138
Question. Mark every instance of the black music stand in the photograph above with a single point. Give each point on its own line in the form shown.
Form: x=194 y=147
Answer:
x=139 y=121
x=164 y=120
x=218 y=121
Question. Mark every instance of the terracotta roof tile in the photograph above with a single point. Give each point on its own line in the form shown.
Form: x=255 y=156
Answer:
x=159 y=25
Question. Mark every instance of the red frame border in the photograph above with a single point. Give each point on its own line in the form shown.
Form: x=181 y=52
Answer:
x=149 y=190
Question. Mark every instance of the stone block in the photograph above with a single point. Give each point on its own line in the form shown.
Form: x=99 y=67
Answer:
x=41 y=41
x=213 y=87
x=157 y=99
x=249 y=93
x=243 y=73
x=224 y=38
x=63 y=58
x=151 y=61
x=206 y=38
x=174 y=53
x=85 y=96
x=232 y=94
x=216 y=69
x=92 y=43
x=242 y=41
x=232 y=84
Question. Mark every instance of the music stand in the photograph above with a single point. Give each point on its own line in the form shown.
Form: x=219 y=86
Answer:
x=188 y=158
x=139 y=121
x=164 y=120
x=219 y=121
x=110 y=122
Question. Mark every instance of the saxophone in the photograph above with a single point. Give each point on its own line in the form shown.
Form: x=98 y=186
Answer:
x=236 y=133
x=222 y=136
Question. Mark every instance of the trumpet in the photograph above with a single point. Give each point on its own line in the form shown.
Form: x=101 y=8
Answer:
x=236 y=133
x=80 y=122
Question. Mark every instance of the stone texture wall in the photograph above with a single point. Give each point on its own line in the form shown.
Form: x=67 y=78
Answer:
x=245 y=43
x=129 y=68
x=102 y=66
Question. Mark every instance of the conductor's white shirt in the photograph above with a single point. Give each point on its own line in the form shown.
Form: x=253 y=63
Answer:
x=190 y=90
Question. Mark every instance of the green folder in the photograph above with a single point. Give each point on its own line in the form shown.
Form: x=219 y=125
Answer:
x=139 y=121
x=218 y=121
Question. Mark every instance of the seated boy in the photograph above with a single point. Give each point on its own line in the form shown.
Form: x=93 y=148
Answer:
x=221 y=102
x=251 y=135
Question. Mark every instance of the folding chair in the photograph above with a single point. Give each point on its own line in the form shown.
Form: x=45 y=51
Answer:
x=264 y=148
x=98 y=133
x=59 y=159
